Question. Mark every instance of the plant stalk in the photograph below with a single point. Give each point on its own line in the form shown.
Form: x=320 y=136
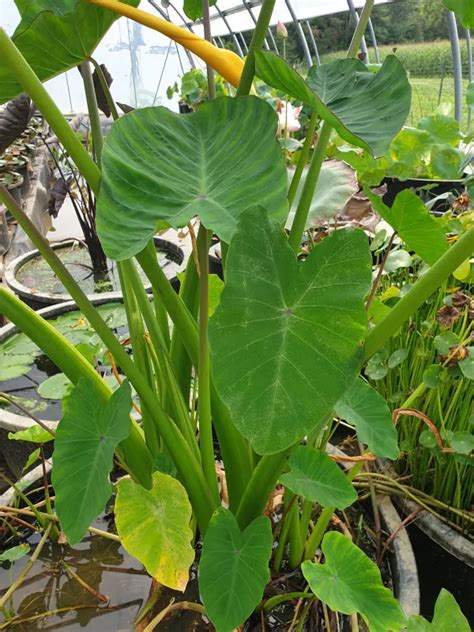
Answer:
x=259 y=34
x=93 y=109
x=206 y=443
x=422 y=290
x=303 y=159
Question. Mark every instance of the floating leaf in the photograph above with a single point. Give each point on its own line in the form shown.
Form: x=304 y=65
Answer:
x=162 y=166
x=305 y=322
x=35 y=434
x=447 y=616
x=366 y=109
x=13 y=366
x=86 y=438
x=234 y=569
x=15 y=553
x=413 y=222
x=55 y=387
x=153 y=525
x=318 y=478
x=350 y=582
x=45 y=22
x=362 y=406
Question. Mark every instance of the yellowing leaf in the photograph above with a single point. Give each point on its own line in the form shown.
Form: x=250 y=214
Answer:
x=154 y=527
x=463 y=271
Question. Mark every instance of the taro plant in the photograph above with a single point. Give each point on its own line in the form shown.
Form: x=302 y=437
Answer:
x=282 y=351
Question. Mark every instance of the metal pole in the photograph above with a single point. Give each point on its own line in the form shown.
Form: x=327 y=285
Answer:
x=232 y=34
x=363 y=43
x=273 y=41
x=166 y=17
x=374 y=41
x=457 y=69
x=313 y=42
x=304 y=43
x=244 y=43
x=254 y=20
x=467 y=33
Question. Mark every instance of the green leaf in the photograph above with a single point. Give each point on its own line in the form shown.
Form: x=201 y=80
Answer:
x=467 y=365
x=15 y=553
x=464 y=9
x=318 y=478
x=396 y=358
x=159 y=165
x=50 y=40
x=366 y=109
x=362 y=406
x=86 y=438
x=447 y=162
x=350 y=582
x=34 y=456
x=462 y=442
x=427 y=439
x=216 y=285
x=193 y=8
x=413 y=222
x=304 y=323
x=447 y=616
x=443 y=342
x=432 y=376
x=234 y=569
x=442 y=129
x=35 y=434
x=13 y=366
x=55 y=387
x=397 y=259
x=336 y=185
x=154 y=526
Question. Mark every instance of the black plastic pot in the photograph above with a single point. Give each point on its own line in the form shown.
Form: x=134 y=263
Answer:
x=437 y=187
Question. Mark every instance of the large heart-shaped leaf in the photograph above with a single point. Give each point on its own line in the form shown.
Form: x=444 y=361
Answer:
x=159 y=165
x=362 y=406
x=234 y=569
x=317 y=478
x=153 y=526
x=86 y=437
x=350 y=582
x=287 y=337
x=464 y=9
x=55 y=36
x=447 y=616
x=413 y=222
x=366 y=109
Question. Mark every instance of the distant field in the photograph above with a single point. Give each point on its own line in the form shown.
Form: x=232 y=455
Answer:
x=425 y=97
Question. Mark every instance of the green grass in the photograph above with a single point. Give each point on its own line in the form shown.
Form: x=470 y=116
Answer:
x=426 y=94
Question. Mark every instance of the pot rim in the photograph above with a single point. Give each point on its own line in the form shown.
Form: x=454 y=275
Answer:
x=50 y=298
